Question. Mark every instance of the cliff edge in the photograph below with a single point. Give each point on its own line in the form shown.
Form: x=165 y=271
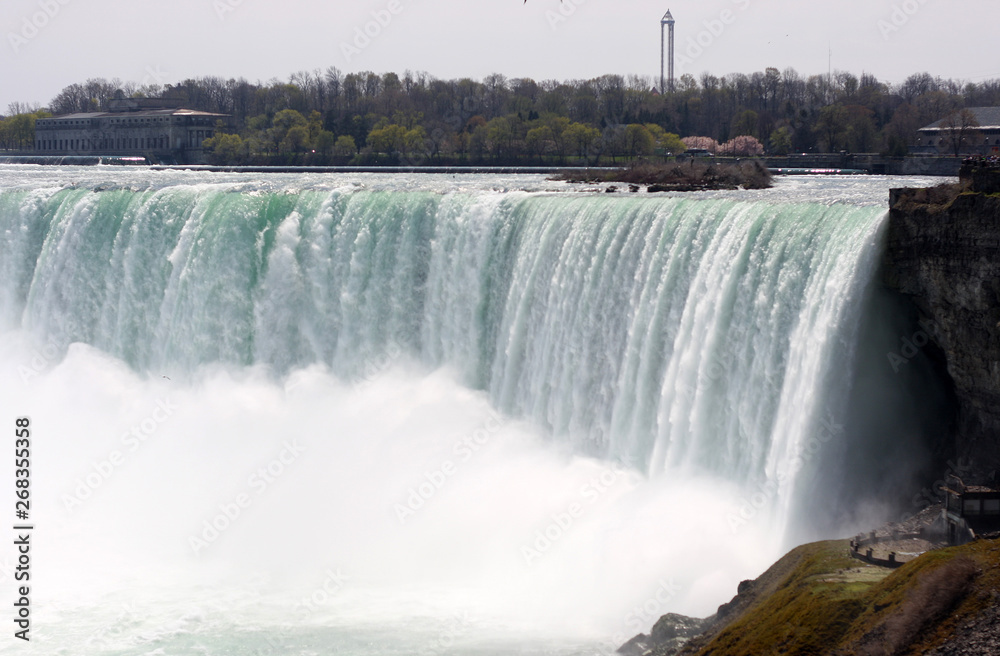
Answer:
x=943 y=252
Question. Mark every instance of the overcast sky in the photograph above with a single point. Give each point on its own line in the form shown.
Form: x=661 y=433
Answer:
x=49 y=44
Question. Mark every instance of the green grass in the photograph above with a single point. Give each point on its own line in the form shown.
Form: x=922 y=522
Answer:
x=817 y=600
x=812 y=606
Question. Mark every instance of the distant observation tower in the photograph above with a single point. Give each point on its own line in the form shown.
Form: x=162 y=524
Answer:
x=667 y=61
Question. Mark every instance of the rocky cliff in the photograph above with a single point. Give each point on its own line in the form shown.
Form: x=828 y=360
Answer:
x=943 y=253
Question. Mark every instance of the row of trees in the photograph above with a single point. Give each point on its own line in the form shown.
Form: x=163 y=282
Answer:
x=17 y=130
x=501 y=119
x=404 y=138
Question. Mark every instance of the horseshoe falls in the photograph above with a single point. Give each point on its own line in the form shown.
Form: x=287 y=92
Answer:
x=409 y=414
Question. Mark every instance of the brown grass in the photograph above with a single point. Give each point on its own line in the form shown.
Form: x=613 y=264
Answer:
x=816 y=601
x=932 y=199
x=936 y=594
x=682 y=176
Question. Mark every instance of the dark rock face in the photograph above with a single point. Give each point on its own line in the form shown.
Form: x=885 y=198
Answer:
x=981 y=636
x=637 y=646
x=944 y=253
x=676 y=628
x=669 y=636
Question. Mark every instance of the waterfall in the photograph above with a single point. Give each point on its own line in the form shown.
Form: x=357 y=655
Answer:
x=671 y=334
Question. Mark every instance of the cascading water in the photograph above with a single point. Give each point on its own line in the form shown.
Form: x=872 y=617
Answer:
x=493 y=391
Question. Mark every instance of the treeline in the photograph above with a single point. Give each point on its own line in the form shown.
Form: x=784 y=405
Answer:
x=387 y=118
x=17 y=130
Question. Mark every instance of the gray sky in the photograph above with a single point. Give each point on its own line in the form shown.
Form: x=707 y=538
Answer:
x=49 y=44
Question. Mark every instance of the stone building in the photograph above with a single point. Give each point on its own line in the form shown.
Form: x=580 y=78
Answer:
x=978 y=137
x=146 y=127
x=970 y=511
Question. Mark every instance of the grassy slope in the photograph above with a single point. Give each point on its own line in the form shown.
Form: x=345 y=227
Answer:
x=817 y=600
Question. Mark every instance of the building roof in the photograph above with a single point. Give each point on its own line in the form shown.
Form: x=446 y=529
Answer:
x=139 y=114
x=988 y=118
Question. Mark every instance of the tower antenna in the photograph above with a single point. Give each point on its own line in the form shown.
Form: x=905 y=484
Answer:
x=667 y=52
x=829 y=72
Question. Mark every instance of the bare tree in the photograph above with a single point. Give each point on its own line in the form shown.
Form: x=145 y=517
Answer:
x=958 y=127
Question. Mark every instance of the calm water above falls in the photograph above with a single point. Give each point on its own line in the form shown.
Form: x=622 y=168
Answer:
x=392 y=414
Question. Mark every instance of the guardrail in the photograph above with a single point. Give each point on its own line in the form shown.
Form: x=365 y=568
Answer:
x=861 y=548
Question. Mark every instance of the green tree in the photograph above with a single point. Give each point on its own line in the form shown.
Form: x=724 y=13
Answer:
x=540 y=141
x=581 y=139
x=287 y=119
x=478 y=146
x=284 y=122
x=325 y=141
x=315 y=125
x=296 y=139
x=226 y=148
x=389 y=139
x=667 y=141
x=613 y=141
x=638 y=141
x=831 y=127
x=345 y=146
x=499 y=137
x=896 y=147
x=860 y=133
x=17 y=132
x=415 y=142
x=745 y=123
x=657 y=131
x=672 y=144
x=781 y=141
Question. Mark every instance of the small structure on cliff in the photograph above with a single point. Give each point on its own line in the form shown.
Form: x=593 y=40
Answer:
x=970 y=510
